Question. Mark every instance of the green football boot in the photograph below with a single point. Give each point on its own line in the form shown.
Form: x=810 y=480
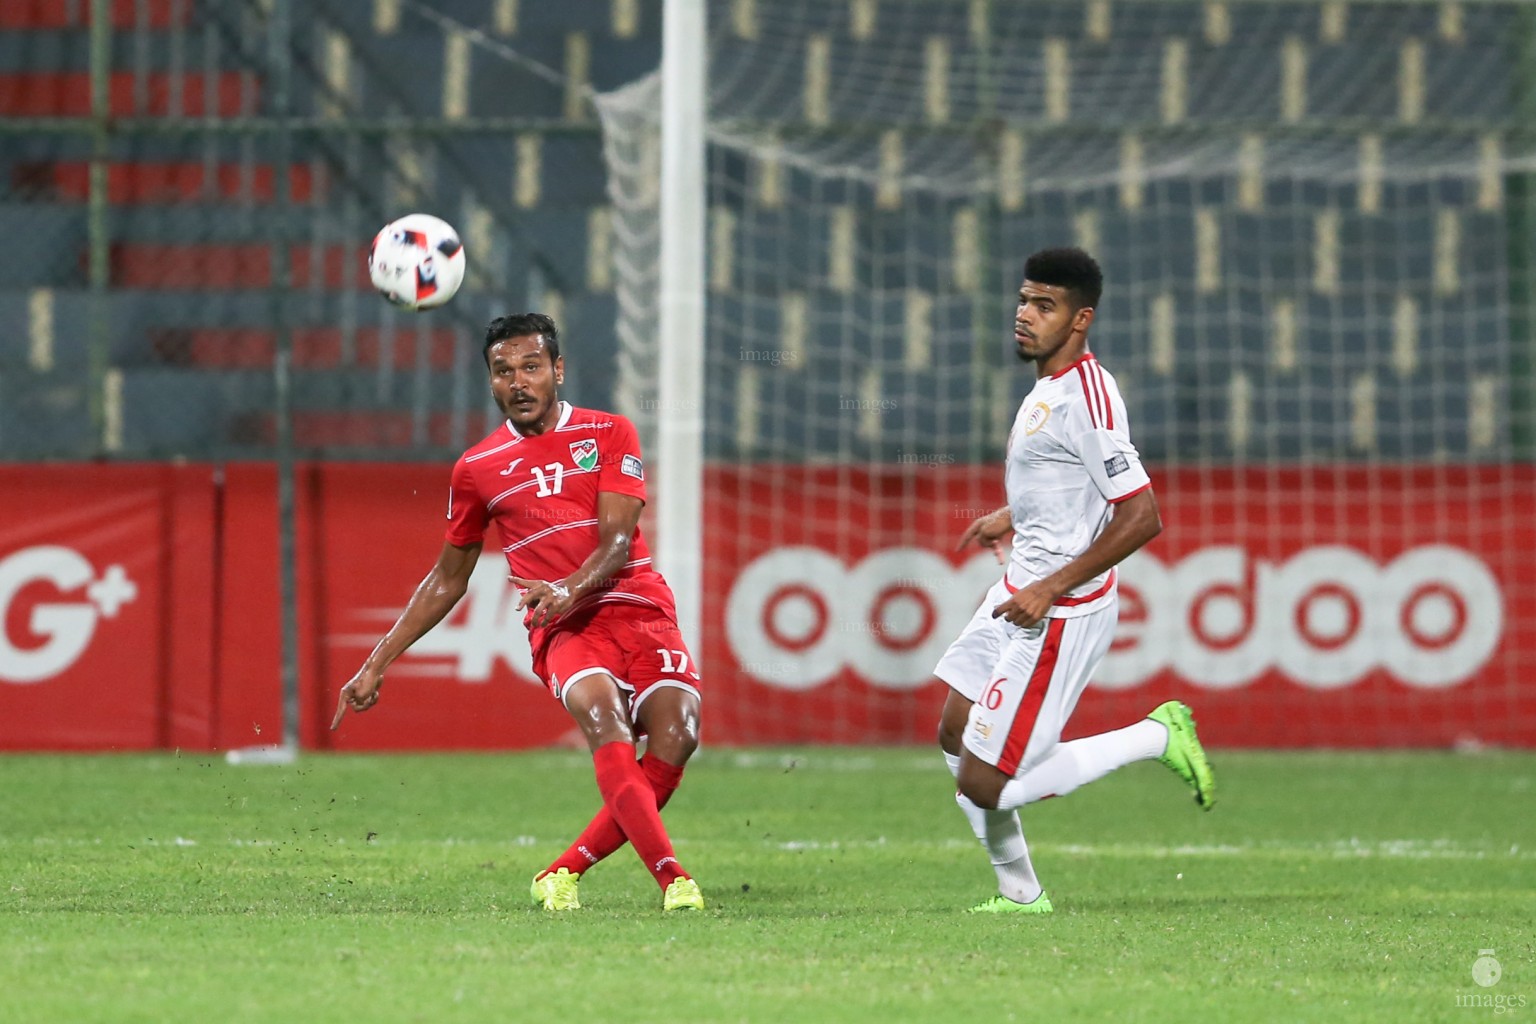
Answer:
x=682 y=894
x=556 y=891
x=1185 y=756
x=1003 y=905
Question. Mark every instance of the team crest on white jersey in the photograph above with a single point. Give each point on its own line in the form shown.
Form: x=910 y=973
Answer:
x=585 y=453
x=1036 y=418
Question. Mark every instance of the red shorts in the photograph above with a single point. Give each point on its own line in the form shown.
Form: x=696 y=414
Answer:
x=638 y=645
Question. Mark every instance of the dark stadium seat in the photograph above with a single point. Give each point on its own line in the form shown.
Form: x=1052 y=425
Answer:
x=499 y=87
x=558 y=235
x=54 y=237
x=617 y=62
x=379 y=87
x=1234 y=82
x=45 y=416
x=586 y=332
x=1354 y=78
x=173 y=412
x=574 y=172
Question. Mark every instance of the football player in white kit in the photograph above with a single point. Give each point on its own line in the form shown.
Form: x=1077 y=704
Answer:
x=1079 y=502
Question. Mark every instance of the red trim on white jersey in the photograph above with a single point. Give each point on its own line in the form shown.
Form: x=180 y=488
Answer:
x=1069 y=602
x=1097 y=372
x=1116 y=501
x=1074 y=364
x=1090 y=400
x=1072 y=602
x=1101 y=411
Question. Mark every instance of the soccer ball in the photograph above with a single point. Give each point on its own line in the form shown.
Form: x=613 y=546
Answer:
x=417 y=262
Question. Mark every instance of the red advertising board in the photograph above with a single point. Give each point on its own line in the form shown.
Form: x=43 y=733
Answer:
x=1325 y=607
x=1322 y=607
x=106 y=584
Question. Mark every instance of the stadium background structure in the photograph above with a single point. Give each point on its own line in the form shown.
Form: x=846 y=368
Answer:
x=1316 y=220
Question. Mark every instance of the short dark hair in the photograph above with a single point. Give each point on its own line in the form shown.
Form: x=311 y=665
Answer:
x=518 y=325
x=1068 y=268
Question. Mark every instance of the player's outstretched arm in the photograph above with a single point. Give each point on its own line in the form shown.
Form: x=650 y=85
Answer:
x=618 y=515
x=433 y=599
x=1136 y=521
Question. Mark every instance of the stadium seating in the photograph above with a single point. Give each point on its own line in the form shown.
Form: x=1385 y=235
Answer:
x=190 y=224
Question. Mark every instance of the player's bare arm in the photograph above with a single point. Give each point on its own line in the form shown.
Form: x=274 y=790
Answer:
x=1136 y=522
x=618 y=515
x=989 y=531
x=434 y=598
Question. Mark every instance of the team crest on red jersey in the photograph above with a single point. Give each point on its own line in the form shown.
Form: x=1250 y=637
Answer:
x=585 y=453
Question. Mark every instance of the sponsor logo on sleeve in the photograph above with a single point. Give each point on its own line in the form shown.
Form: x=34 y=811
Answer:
x=1116 y=465
x=631 y=467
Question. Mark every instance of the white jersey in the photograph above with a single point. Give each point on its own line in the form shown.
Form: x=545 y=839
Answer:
x=1070 y=459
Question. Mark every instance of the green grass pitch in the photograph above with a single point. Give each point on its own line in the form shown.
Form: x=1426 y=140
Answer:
x=366 y=889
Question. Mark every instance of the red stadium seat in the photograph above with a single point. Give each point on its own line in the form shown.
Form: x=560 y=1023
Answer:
x=57 y=14
x=232 y=266
x=167 y=182
x=68 y=94
x=314 y=348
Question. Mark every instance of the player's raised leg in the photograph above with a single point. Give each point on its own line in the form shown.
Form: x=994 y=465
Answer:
x=1017 y=757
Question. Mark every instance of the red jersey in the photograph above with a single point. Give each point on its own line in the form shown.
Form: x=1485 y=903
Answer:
x=541 y=492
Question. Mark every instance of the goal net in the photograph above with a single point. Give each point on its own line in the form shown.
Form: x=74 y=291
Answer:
x=1315 y=224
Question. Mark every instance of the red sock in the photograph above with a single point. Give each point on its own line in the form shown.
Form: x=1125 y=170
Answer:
x=602 y=836
x=663 y=777
x=630 y=800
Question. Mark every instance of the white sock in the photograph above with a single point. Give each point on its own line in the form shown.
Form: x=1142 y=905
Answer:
x=1001 y=836
x=1082 y=761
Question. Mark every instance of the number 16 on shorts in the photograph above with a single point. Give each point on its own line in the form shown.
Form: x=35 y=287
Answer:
x=1038 y=678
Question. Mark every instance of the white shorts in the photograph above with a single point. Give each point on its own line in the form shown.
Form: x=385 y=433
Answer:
x=1023 y=683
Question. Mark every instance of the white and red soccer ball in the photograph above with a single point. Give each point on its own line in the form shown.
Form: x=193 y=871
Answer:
x=417 y=262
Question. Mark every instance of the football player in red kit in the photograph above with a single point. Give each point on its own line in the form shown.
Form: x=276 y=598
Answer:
x=565 y=487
